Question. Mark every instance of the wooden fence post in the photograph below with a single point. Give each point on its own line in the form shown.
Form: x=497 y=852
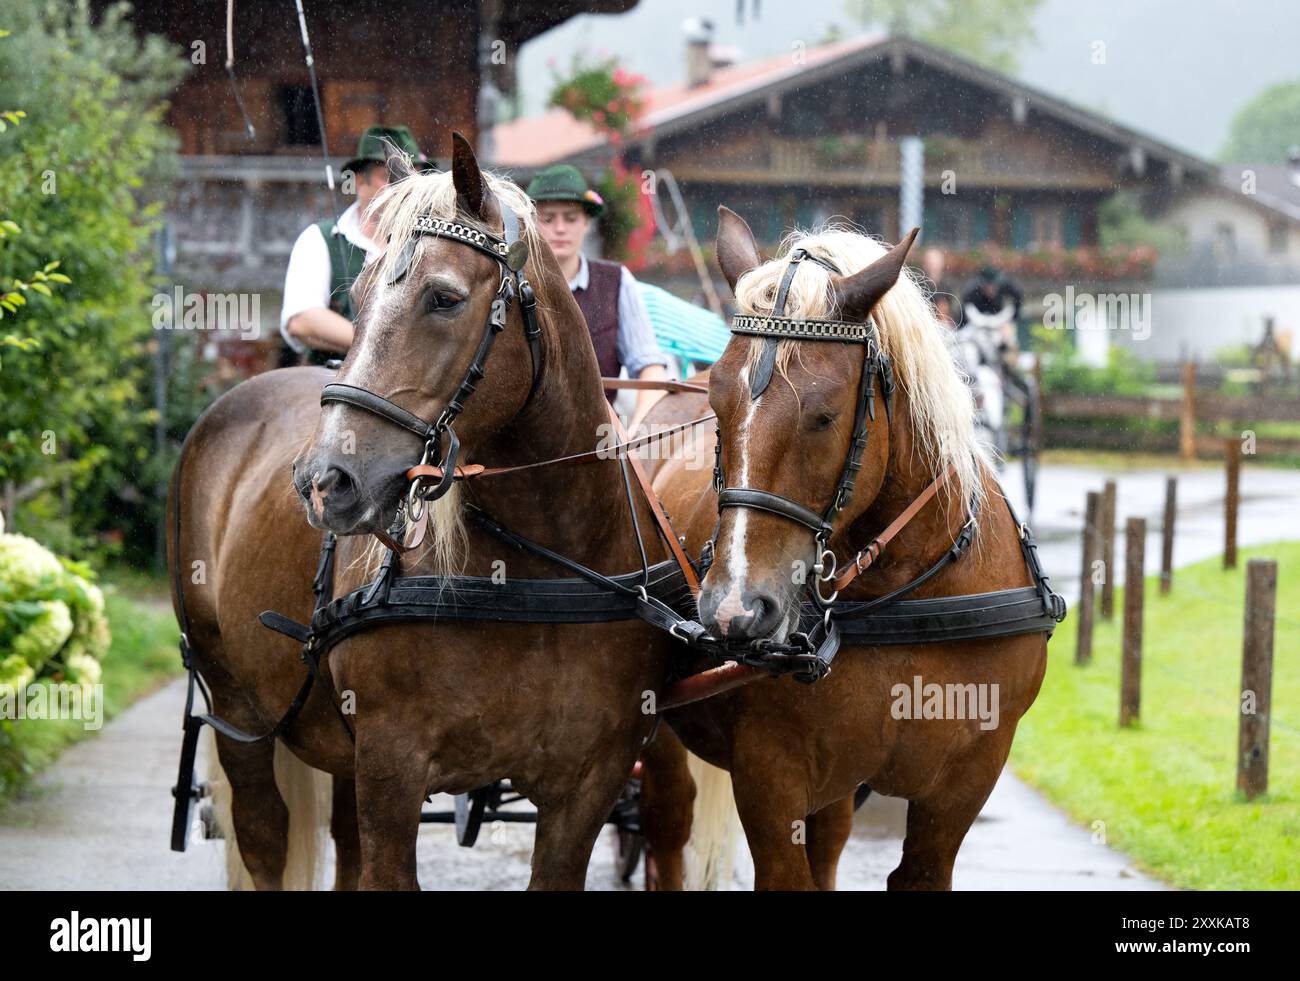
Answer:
x=1231 y=499
x=1130 y=694
x=1108 y=499
x=1256 y=677
x=1087 y=591
x=1167 y=541
x=1187 y=417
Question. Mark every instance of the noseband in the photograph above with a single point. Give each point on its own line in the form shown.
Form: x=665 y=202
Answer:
x=875 y=362
x=511 y=258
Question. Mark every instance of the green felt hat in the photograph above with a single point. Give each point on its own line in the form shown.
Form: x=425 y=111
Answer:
x=563 y=182
x=373 y=148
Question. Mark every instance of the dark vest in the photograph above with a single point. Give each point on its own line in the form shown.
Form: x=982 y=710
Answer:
x=346 y=261
x=599 y=305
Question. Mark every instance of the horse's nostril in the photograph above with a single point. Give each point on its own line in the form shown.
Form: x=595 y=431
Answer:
x=740 y=616
x=332 y=476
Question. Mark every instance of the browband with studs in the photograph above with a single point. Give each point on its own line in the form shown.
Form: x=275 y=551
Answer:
x=796 y=328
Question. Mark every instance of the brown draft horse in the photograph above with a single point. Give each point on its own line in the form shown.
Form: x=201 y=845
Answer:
x=798 y=752
x=558 y=709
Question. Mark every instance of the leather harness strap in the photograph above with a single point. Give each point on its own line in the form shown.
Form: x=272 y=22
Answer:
x=865 y=557
x=657 y=509
x=603 y=453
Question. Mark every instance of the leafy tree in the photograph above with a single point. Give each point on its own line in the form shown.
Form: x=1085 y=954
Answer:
x=1123 y=223
x=14 y=295
x=1266 y=128
x=82 y=177
x=987 y=31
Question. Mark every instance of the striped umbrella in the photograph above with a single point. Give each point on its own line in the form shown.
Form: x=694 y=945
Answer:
x=688 y=332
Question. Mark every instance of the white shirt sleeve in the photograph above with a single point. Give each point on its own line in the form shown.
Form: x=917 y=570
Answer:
x=307 y=281
x=637 y=346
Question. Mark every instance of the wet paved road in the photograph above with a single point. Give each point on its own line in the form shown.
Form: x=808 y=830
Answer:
x=100 y=820
x=99 y=817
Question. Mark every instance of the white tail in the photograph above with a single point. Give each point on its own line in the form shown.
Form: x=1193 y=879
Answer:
x=307 y=793
x=711 y=851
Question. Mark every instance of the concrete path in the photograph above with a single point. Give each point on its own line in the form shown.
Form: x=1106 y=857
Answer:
x=99 y=818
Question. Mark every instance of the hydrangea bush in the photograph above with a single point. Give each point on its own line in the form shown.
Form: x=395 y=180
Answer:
x=52 y=622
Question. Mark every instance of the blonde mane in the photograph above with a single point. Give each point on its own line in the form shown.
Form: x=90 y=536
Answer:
x=398 y=205
x=940 y=402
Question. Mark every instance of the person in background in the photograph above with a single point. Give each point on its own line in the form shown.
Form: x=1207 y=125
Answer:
x=316 y=316
x=993 y=297
x=606 y=291
x=933 y=263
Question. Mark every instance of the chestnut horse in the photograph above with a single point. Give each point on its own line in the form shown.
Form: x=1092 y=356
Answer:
x=435 y=707
x=798 y=752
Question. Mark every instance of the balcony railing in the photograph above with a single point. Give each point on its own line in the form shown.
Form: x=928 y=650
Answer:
x=858 y=160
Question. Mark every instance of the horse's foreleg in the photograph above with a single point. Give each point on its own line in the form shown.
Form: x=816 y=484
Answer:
x=774 y=813
x=937 y=825
x=390 y=790
x=567 y=830
x=347 y=836
x=828 y=830
x=667 y=794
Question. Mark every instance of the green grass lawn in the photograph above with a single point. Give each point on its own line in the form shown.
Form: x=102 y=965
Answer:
x=1166 y=789
x=143 y=655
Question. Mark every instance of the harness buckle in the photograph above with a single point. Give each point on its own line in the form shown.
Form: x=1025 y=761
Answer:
x=825 y=573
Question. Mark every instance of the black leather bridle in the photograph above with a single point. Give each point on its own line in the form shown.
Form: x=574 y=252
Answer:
x=511 y=257
x=875 y=363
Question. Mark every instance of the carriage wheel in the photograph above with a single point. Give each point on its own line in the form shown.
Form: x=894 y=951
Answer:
x=860 y=796
x=469 y=815
x=629 y=841
x=1031 y=478
x=628 y=848
x=1030 y=456
x=208 y=822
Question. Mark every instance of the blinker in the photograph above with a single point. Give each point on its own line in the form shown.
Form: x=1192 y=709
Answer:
x=403 y=264
x=517 y=255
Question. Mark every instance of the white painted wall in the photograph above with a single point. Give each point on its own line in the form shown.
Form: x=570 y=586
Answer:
x=1198 y=322
x=1201 y=213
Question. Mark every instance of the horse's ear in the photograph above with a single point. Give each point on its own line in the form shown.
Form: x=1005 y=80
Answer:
x=466 y=177
x=737 y=251
x=858 y=294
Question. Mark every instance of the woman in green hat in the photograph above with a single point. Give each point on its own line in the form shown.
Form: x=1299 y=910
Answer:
x=606 y=291
x=316 y=315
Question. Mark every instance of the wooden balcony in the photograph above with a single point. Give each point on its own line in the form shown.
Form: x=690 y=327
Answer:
x=861 y=162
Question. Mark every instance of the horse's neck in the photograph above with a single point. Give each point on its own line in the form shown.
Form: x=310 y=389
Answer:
x=924 y=539
x=578 y=509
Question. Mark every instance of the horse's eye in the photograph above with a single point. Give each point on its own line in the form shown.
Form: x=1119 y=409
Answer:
x=823 y=420
x=439 y=300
